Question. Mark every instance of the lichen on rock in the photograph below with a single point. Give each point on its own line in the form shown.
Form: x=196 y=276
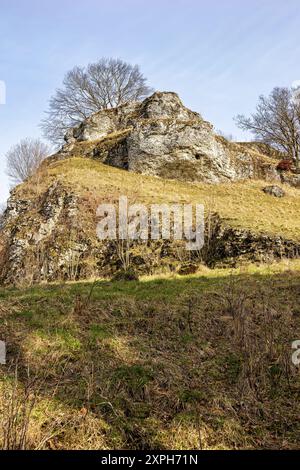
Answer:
x=161 y=137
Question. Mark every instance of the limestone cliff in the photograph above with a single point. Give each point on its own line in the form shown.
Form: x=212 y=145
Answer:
x=162 y=137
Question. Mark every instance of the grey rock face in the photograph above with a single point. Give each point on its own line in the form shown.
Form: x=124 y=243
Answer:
x=166 y=105
x=28 y=235
x=161 y=137
x=275 y=191
x=102 y=124
x=15 y=206
x=292 y=180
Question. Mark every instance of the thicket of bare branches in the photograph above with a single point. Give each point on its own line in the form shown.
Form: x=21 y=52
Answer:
x=276 y=121
x=104 y=84
x=24 y=158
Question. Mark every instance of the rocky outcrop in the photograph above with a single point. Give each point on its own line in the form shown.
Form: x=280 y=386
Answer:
x=232 y=246
x=291 y=179
x=48 y=233
x=45 y=240
x=161 y=137
x=36 y=234
x=274 y=190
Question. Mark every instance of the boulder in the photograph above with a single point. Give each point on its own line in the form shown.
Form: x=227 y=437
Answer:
x=161 y=137
x=275 y=191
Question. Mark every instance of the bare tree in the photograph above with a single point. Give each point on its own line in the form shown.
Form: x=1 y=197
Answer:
x=229 y=137
x=24 y=158
x=105 y=84
x=276 y=122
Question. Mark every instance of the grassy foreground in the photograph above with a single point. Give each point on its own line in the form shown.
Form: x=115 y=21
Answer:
x=198 y=362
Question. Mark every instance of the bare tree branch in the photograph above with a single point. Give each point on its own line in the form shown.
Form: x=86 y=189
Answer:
x=276 y=122
x=105 y=84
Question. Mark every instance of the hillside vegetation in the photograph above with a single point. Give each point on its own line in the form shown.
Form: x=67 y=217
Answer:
x=241 y=204
x=186 y=362
x=154 y=151
x=196 y=362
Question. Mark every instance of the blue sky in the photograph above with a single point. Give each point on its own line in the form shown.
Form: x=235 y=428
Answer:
x=219 y=55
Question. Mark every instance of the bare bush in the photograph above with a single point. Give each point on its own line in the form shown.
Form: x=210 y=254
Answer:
x=18 y=404
x=24 y=158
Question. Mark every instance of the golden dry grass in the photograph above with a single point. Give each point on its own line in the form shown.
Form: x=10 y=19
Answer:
x=241 y=204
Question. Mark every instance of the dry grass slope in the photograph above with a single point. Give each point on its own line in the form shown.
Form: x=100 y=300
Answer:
x=200 y=362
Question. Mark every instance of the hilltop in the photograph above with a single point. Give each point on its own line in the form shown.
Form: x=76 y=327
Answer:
x=161 y=137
